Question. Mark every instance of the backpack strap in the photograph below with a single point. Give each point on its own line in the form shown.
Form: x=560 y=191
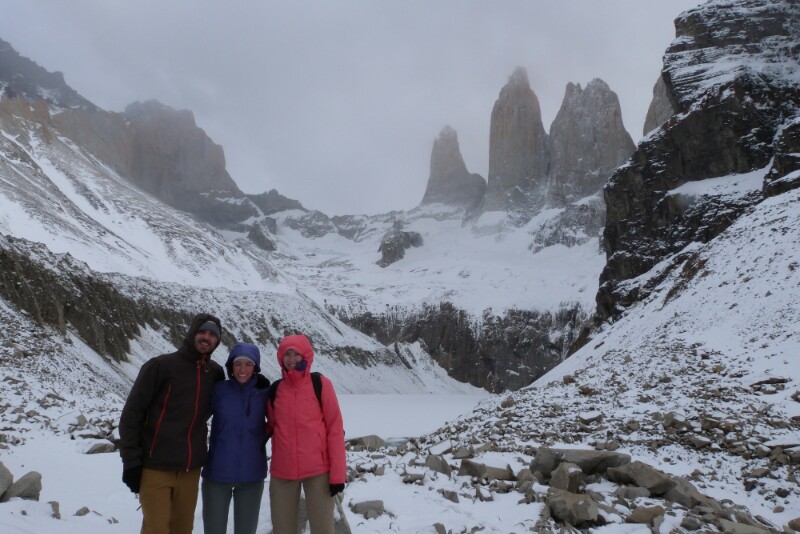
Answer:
x=316 y=379
x=273 y=391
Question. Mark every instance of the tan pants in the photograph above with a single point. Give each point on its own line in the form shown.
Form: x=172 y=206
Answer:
x=284 y=500
x=168 y=500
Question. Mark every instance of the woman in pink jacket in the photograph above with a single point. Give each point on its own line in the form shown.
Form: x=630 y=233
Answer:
x=307 y=441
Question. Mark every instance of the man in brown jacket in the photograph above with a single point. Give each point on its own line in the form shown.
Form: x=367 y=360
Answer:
x=163 y=429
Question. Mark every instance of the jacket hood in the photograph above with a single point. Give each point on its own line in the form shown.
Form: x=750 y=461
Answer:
x=243 y=349
x=301 y=345
x=197 y=321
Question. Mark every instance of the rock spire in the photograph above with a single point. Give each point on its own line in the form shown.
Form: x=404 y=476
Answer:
x=587 y=142
x=449 y=181
x=518 y=148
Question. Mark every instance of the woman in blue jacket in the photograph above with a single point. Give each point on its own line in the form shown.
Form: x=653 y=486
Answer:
x=237 y=455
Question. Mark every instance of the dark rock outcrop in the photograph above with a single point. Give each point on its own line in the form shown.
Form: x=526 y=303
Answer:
x=273 y=202
x=660 y=109
x=260 y=239
x=449 y=181
x=68 y=294
x=311 y=224
x=727 y=124
x=395 y=243
x=784 y=174
x=578 y=223
x=174 y=160
x=587 y=142
x=22 y=78
x=518 y=148
x=495 y=353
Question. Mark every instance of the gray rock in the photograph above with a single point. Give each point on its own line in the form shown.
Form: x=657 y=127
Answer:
x=570 y=507
x=691 y=523
x=684 y=492
x=545 y=461
x=6 y=479
x=55 y=509
x=438 y=464
x=590 y=461
x=472 y=469
x=732 y=527
x=368 y=509
x=567 y=476
x=440 y=529
x=449 y=495
x=28 y=487
x=642 y=475
x=630 y=493
x=645 y=514
x=101 y=447
x=82 y=511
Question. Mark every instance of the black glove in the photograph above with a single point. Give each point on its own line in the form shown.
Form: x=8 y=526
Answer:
x=132 y=477
x=336 y=488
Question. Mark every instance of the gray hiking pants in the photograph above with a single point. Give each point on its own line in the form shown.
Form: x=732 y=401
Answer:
x=217 y=501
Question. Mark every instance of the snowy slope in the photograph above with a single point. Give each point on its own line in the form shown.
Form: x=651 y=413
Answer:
x=721 y=322
x=476 y=265
x=57 y=194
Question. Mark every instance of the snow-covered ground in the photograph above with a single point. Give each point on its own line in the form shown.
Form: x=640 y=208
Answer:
x=75 y=479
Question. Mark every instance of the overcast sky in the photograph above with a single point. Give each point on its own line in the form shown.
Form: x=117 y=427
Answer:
x=337 y=103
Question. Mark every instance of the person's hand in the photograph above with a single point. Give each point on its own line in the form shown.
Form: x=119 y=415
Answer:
x=132 y=477
x=336 y=488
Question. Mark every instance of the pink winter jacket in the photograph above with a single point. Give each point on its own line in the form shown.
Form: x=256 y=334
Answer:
x=307 y=440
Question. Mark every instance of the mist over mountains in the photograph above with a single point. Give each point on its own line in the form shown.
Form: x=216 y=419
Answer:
x=641 y=297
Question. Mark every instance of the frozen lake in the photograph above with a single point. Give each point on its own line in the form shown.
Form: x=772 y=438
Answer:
x=402 y=416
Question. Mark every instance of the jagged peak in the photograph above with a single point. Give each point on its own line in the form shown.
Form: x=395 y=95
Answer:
x=21 y=77
x=519 y=78
x=154 y=107
x=448 y=133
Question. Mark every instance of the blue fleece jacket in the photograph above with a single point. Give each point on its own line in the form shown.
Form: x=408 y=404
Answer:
x=237 y=446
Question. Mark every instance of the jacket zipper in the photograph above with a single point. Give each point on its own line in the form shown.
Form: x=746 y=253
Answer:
x=191 y=426
x=160 y=418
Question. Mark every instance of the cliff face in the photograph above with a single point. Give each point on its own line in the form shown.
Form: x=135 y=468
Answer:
x=518 y=148
x=494 y=352
x=163 y=152
x=449 y=181
x=731 y=74
x=587 y=142
x=660 y=109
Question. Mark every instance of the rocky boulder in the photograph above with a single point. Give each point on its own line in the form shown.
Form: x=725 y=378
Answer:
x=28 y=487
x=449 y=181
x=395 y=243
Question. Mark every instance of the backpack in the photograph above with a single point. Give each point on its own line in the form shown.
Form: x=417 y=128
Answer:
x=316 y=379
